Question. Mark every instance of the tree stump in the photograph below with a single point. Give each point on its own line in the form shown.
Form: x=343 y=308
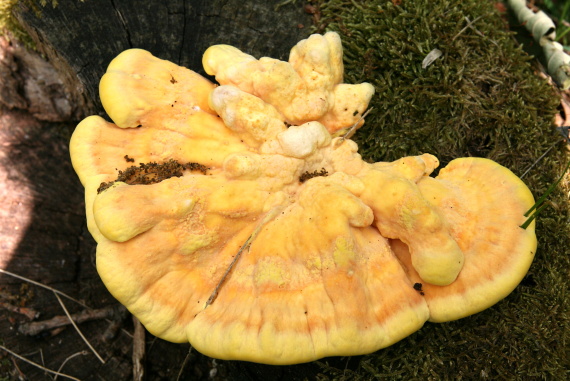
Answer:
x=48 y=241
x=80 y=38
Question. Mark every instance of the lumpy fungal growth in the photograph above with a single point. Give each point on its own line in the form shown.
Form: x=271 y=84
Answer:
x=292 y=248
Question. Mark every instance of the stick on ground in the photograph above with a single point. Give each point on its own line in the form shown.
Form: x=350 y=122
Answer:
x=37 y=327
x=138 y=350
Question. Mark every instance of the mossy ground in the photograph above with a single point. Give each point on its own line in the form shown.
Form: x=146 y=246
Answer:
x=482 y=97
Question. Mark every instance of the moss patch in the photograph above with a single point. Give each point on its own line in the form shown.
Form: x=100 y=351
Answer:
x=480 y=98
x=7 y=21
x=9 y=25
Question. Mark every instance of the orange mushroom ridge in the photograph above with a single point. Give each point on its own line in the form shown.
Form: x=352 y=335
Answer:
x=239 y=223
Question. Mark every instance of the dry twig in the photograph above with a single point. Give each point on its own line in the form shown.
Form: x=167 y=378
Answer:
x=78 y=330
x=268 y=217
x=82 y=353
x=57 y=293
x=38 y=365
x=186 y=359
x=469 y=23
x=35 y=328
x=28 y=312
x=43 y=286
x=138 y=350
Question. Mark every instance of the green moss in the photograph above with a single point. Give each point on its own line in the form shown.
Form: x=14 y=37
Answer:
x=482 y=97
x=8 y=22
x=9 y=25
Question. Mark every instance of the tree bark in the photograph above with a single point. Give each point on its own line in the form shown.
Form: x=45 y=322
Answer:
x=80 y=38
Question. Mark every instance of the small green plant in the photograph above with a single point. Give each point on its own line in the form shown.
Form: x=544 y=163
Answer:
x=539 y=205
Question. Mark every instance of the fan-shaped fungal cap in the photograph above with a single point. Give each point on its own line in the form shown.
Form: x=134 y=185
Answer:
x=260 y=241
x=405 y=214
x=484 y=205
x=132 y=88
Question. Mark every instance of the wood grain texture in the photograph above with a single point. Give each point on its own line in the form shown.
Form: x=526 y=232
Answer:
x=80 y=38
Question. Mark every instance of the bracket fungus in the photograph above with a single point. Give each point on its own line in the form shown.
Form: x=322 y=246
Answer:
x=256 y=234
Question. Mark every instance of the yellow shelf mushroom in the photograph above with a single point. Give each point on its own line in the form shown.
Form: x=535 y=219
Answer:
x=234 y=216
